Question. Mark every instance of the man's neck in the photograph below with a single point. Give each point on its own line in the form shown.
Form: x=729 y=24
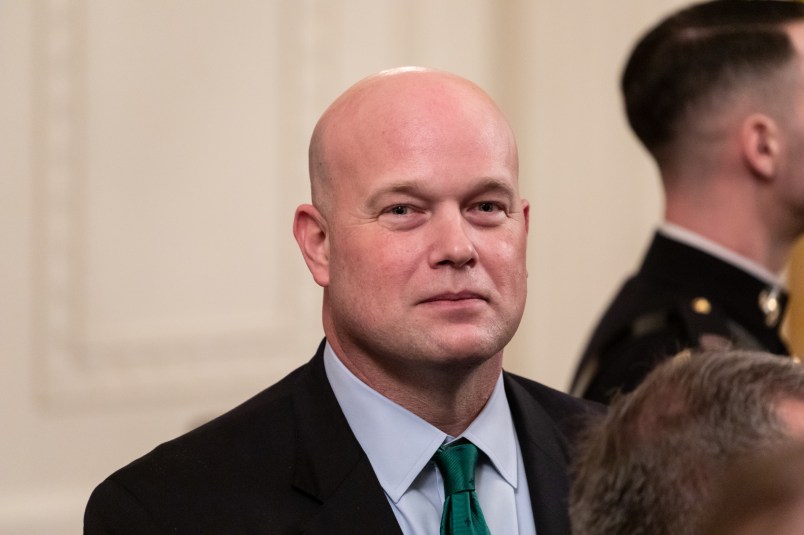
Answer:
x=450 y=402
x=449 y=397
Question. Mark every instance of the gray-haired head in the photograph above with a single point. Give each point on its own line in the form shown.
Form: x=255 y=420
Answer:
x=648 y=467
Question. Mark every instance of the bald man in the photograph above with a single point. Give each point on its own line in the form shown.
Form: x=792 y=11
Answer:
x=417 y=235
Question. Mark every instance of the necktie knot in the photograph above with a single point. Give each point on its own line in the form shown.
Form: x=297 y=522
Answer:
x=461 y=514
x=457 y=465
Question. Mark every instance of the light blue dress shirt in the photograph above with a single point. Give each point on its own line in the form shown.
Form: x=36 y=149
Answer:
x=400 y=447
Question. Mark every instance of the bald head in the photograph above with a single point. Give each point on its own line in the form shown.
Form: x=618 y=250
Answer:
x=394 y=112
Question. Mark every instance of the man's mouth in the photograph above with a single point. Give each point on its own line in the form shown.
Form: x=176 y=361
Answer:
x=454 y=296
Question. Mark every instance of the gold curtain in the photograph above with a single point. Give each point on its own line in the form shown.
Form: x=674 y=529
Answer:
x=795 y=315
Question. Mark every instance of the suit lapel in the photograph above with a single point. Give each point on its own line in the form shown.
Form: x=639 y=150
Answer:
x=331 y=466
x=546 y=463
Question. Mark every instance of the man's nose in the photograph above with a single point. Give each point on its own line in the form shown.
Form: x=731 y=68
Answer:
x=452 y=244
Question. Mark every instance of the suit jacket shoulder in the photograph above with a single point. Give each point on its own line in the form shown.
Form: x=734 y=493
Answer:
x=568 y=414
x=285 y=461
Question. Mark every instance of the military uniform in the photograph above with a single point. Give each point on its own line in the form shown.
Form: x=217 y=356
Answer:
x=681 y=297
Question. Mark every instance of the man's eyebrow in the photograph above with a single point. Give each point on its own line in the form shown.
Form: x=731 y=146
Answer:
x=495 y=185
x=406 y=188
x=415 y=189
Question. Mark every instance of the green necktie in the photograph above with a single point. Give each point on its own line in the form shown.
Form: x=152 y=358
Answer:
x=462 y=514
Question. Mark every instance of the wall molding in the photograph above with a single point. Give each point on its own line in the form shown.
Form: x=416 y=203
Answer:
x=73 y=368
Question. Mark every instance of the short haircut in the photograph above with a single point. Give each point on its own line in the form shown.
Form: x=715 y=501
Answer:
x=698 y=55
x=648 y=467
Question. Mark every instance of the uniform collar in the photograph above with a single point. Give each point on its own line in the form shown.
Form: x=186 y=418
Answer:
x=693 y=239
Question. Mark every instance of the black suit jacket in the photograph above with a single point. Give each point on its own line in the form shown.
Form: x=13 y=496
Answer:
x=286 y=461
x=681 y=298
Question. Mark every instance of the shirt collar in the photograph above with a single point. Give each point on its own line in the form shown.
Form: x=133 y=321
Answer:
x=493 y=433
x=399 y=444
x=693 y=239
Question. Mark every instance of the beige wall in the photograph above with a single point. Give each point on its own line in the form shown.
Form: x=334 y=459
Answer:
x=151 y=156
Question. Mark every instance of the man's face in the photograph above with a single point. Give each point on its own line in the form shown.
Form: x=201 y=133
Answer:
x=427 y=233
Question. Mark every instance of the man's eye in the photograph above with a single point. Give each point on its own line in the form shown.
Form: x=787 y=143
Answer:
x=399 y=210
x=401 y=216
x=487 y=207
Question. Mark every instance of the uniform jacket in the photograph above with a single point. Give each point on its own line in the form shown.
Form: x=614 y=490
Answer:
x=681 y=298
x=286 y=461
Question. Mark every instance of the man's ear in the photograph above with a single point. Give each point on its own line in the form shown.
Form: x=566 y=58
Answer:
x=312 y=235
x=760 y=144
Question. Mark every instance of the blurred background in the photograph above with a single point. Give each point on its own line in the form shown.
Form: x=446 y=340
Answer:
x=152 y=154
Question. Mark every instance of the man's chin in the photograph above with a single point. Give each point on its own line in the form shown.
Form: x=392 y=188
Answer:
x=467 y=350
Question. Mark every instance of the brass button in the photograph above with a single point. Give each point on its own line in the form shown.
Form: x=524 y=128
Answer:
x=701 y=305
x=770 y=306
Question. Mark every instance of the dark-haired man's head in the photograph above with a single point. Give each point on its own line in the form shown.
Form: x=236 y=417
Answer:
x=706 y=60
x=715 y=92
